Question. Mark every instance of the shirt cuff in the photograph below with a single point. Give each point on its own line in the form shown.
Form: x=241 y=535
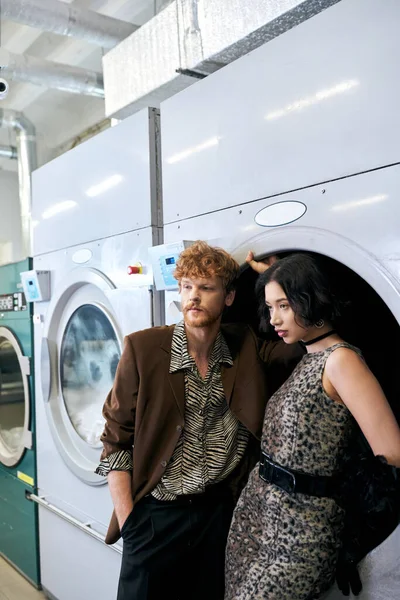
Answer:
x=117 y=461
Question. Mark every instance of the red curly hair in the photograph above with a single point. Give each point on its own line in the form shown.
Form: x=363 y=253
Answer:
x=202 y=260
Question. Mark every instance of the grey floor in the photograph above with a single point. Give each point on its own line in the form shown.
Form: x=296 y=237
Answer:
x=14 y=587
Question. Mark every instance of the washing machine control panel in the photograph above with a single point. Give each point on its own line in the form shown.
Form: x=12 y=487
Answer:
x=12 y=302
x=36 y=285
x=163 y=260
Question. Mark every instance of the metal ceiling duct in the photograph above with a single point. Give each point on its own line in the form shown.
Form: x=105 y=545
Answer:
x=27 y=162
x=190 y=39
x=8 y=152
x=65 y=19
x=31 y=69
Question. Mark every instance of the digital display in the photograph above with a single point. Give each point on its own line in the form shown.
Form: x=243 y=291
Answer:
x=7 y=302
x=170 y=260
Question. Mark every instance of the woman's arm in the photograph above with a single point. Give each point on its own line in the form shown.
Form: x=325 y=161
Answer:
x=360 y=391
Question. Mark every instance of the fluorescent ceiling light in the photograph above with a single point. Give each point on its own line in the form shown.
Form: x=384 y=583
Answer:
x=58 y=208
x=362 y=202
x=214 y=141
x=104 y=186
x=340 y=88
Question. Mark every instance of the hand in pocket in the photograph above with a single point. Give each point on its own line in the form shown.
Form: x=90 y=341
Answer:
x=126 y=520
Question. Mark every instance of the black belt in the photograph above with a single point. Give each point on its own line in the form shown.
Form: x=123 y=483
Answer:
x=295 y=482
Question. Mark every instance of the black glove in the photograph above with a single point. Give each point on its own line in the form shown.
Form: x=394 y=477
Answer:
x=347 y=577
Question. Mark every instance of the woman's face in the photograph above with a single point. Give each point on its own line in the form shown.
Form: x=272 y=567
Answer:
x=282 y=317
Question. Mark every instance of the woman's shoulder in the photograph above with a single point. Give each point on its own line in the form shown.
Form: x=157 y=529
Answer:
x=342 y=356
x=343 y=348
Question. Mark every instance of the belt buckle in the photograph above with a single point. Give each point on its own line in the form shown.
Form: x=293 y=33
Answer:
x=273 y=473
x=282 y=477
x=266 y=469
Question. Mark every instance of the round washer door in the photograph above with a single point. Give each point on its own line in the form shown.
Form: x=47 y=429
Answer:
x=15 y=436
x=81 y=349
x=334 y=246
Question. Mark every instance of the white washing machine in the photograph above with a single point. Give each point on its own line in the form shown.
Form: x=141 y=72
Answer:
x=295 y=147
x=97 y=211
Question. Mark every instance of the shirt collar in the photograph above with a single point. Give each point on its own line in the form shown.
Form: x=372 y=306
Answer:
x=180 y=357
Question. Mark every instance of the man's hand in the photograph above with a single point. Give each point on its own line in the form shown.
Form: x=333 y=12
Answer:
x=262 y=265
x=120 y=486
x=122 y=517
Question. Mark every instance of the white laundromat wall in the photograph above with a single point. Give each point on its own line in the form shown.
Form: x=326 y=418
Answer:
x=317 y=103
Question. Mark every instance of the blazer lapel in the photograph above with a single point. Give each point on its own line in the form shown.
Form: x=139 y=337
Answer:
x=176 y=380
x=228 y=375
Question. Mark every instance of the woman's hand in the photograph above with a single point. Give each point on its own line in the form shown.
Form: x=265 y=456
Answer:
x=262 y=265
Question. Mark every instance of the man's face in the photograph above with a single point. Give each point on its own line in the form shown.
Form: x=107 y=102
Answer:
x=203 y=300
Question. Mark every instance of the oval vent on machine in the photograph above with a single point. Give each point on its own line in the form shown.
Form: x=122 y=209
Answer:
x=82 y=256
x=280 y=213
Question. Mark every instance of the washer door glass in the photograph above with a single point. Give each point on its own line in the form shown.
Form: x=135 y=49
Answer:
x=12 y=403
x=89 y=357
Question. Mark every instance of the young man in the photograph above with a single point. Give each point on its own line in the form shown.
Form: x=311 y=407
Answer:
x=189 y=399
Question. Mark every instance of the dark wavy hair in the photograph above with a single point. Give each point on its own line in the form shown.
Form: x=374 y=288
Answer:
x=306 y=287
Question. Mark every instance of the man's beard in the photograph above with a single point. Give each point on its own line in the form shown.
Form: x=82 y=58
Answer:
x=205 y=320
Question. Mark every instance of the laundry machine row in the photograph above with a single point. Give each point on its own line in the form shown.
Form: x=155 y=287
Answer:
x=283 y=160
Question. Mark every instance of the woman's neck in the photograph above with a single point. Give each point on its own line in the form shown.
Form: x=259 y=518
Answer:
x=318 y=339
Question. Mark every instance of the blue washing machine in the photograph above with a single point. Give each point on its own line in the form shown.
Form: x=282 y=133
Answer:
x=19 y=540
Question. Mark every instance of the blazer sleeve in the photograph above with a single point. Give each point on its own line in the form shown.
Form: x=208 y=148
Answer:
x=120 y=406
x=279 y=359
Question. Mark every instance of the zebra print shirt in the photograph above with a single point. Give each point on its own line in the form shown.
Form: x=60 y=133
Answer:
x=212 y=442
x=117 y=461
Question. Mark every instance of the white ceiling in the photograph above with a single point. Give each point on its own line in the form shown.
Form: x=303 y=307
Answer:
x=58 y=116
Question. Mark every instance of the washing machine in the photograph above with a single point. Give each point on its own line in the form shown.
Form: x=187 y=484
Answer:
x=19 y=536
x=294 y=147
x=97 y=211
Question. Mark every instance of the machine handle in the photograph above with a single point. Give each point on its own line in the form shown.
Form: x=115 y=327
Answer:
x=70 y=519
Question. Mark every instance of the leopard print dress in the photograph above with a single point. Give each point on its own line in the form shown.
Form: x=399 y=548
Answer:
x=282 y=546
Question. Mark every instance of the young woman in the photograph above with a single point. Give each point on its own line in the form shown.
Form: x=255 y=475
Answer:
x=286 y=529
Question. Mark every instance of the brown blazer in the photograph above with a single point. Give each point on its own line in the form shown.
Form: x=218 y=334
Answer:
x=146 y=407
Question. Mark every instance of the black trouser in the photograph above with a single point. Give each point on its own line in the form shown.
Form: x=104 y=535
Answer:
x=175 y=550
